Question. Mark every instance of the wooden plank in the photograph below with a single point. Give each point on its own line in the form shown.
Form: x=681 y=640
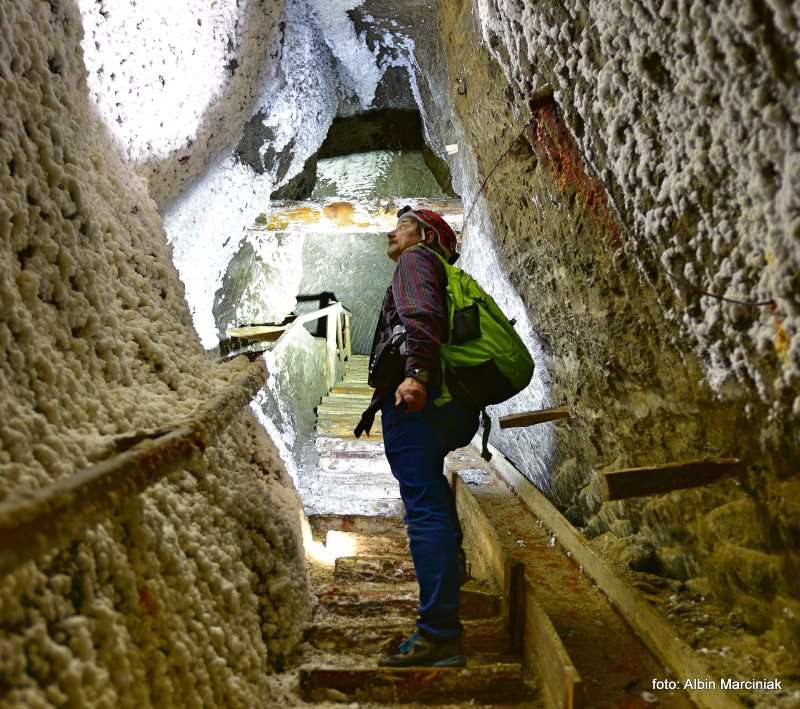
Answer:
x=357 y=524
x=531 y=630
x=340 y=340
x=365 y=636
x=374 y=568
x=258 y=332
x=487 y=556
x=375 y=599
x=543 y=650
x=531 y=418
x=658 y=479
x=348 y=345
x=496 y=683
x=649 y=624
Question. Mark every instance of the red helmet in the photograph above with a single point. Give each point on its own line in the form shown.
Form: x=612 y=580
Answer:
x=445 y=236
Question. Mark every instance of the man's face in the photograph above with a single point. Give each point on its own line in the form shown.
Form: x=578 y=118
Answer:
x=406 y=234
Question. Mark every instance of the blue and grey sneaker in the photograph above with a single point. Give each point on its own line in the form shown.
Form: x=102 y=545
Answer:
x=419 y=651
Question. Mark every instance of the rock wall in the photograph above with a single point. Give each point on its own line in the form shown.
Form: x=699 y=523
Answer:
x=663 y=170
x=175 y=82
x=96 y=340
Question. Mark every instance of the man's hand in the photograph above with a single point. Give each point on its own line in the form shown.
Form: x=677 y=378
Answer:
x=412 y=392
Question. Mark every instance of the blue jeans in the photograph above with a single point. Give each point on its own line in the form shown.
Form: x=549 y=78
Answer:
x=416 y=445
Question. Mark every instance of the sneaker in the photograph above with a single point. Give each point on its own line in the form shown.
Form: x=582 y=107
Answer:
x=419 y=651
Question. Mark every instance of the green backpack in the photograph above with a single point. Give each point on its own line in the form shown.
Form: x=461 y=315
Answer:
x=484 y=361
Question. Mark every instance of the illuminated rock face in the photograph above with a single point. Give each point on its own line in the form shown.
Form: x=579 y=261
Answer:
x=174 y=82
x=309 y=248
x=191 y=591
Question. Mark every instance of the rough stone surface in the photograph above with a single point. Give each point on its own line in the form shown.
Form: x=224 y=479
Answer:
x=175 y=81
x=96 y=340
x=696 y=183
x=662 y=173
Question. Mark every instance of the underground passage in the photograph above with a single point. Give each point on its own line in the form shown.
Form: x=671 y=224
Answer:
x=366 y=353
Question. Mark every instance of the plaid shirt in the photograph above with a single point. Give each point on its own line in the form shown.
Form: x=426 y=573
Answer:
x=417 y=300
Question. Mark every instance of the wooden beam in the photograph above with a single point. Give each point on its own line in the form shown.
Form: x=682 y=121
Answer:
x=40 y=521
x=377 y=216
x=531 y=630
x=498 y=683
x=650 y=625
x=531 y=418
x=543 y=650
x=658 y=479
x=348 y=345
x=258 y=332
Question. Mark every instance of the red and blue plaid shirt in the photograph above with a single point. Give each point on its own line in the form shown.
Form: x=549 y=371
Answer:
x=418 y=301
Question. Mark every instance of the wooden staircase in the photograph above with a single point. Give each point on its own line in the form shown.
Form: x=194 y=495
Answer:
x=368 y=598
x=537 y=633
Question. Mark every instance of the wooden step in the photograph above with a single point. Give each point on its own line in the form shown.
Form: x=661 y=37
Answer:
x=496 y=683
x=350 y=388
x=364 y=636
x=383 y=569
x=365 y=525
x=317 y=505
x=344 y=488
x=368 y=545
x=377 y=600
x=345 y=432
x=376 y=466
x=346 y=396
x=330 y=447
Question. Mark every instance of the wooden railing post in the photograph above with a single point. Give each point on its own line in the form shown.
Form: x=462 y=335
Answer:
x=348 y=347
x=330 y=331
x=339 y=337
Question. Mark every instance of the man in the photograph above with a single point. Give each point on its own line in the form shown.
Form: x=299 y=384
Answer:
x=418 y=434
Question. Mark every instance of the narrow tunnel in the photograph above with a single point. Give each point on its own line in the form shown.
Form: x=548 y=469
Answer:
x=185 y=183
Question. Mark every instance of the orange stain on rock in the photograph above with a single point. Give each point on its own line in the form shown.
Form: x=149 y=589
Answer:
x=148 y=601
x=557 y=151
x=279 y=221
x=340 y=212
x=782 y=340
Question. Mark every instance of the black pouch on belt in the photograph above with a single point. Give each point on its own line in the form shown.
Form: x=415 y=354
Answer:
x=388 y=365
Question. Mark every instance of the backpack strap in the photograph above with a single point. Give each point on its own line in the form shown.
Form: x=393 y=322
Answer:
x=486 y=423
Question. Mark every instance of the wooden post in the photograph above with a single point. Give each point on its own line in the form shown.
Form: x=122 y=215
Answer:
x=330 y=332
x=531 y=632
x=348 y=345
x=339 y=338
x=530 y=418
x=638 y=482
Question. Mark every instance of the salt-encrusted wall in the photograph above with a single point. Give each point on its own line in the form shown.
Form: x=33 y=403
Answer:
x=687 y=114
x=175 y=82
x=190 y=593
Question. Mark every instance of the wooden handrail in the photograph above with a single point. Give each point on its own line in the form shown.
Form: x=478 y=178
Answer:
x=34 y=523
x=333 y=350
